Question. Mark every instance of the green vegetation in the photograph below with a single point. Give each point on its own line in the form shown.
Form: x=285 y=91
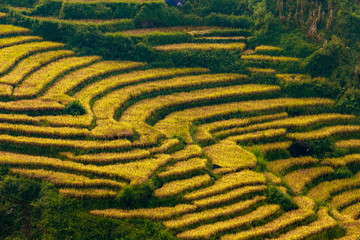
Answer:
x=176 y=122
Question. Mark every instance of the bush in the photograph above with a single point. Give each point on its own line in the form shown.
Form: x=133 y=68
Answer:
x=275 y=196
x=217 y=19
x=157 y=14
x=74 y=108
x=138 y=196
x=349 y=102
x=47 y=8
x=318 y=87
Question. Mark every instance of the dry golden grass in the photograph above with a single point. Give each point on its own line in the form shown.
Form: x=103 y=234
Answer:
x=74 y=79
x=160 y=213
x=298 y=179
x=87 y=193
x=184 y=167
x=257 y=136
x=269 y=58
x=342 y=161
x=178 y=123
x=10 y=29
x=204 y=131
x=6 y=42
x=229 y=196
x=2 y=15
x=324 y=223
x=208 y=230
x=287 y=219
x=178 y=186
x=193 y=218
x=30 y=64
x=324 y=190
x=344 y=199
x=201 y=46
x=229 y=155
x=10 y=55
x=66 y=179
x=143 y=110
x=325 y=132
x=282 y=165
x=228 y=182
x=47 y=74
x=106 y=106
x=351 y=143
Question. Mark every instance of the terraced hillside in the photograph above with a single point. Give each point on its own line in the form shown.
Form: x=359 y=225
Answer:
x=214 y=146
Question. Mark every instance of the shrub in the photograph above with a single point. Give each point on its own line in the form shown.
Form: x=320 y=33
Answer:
x=276 y=196
x=217 y=19
x=137 y=196
x=349 y=102
x=157 y=14
x=74 y=108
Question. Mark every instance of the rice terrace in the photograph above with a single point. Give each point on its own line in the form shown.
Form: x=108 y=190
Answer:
x=187 y=119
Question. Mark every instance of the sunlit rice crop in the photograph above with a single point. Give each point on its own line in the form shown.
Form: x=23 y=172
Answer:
x=184 y=167
x=87 y=193
x=286 y=219
x=6 y=42
x=201 y=46
x=325 y=222
x=298 y=179
x=269 y=58
x=342 y=161
x=11 y=29
x=229 y=196
x=345 y=199
x=259 y=135
x=228 y=154
x=282 y=165
x=178 y=186
x=204 y=131
x=351 y=143
x=30 y=64
x=324 y=190
x=208 y=230
x=47 y=74
x=325 y=132
x=227 y=182
x=193 y=218
x=160 y=213
x=10 y=55
x=66 y=179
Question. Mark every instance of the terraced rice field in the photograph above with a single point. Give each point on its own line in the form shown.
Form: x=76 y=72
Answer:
x=206 y=138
